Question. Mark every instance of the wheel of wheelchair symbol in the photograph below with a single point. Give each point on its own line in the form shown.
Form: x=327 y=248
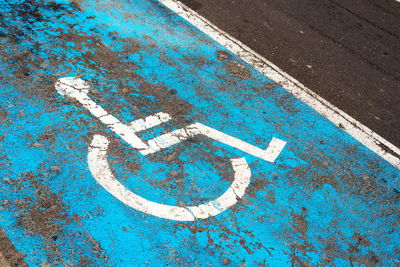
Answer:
x=101 y=171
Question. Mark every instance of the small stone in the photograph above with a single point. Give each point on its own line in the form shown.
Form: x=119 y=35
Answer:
x=171 y=157
x=37 y=145
x=22 y=113
x=226 y=261
x=7 y=180
x=222 y=55
x=55 y=168
x=179 y=181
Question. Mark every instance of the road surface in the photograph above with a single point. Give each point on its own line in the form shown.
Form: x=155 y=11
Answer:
x=130 y=137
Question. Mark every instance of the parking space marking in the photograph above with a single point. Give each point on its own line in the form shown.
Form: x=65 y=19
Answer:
x=78 y=89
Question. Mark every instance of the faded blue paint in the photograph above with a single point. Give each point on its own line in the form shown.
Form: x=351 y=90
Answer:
x=324 y=190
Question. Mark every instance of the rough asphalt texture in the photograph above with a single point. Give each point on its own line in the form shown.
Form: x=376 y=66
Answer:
x=9 y=256
x=45 y=40
x=348 y=52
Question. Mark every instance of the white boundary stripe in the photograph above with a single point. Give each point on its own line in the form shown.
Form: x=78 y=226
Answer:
x=360 y=132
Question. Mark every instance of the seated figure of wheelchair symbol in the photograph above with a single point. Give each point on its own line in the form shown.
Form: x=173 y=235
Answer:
x=77 y=89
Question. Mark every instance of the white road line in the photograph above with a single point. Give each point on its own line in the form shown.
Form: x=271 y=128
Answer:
x=166 y=140
x=149 y=122
x=78 y=89
x=98 y=165
x=170 y=139
x=270 y=154
x=360 y=132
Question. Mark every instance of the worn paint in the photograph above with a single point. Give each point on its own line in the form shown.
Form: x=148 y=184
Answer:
x=363 y=134
x=327 y=199
x=101 y=171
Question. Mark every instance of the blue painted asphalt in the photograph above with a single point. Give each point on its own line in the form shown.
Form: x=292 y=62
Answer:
x=326 y=200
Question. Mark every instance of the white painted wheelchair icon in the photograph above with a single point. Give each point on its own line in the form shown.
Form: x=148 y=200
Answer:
x=77 y=89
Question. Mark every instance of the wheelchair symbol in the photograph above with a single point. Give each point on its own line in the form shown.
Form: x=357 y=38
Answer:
x=76 y=88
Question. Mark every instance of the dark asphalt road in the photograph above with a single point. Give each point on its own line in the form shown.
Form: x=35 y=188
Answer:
x=348 y=52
